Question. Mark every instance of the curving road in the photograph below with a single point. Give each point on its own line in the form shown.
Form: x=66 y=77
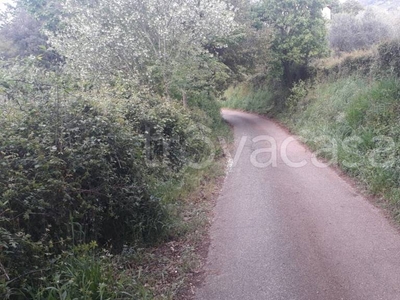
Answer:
x=288 y=228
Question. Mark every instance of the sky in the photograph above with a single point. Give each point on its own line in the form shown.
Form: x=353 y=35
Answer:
x=2 y=2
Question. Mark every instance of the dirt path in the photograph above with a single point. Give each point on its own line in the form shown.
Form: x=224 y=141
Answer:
x=290 y=232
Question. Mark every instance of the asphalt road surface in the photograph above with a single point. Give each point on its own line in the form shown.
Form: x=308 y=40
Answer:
x=288 y=228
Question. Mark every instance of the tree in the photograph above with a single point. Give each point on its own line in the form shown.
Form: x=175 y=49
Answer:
x=247 y=49
x=145 y=42
x=299 y=35
x=21 y=37
x=348 y=33
x=344 y=33
x=48 y=12
x=352 y=7
x=374 y=30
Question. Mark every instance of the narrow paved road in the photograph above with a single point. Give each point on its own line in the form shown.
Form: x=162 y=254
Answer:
x=294 y=233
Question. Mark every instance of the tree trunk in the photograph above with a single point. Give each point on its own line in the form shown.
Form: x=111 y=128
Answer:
x=287 y=74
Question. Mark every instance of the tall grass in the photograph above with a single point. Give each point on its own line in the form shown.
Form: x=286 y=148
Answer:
x=361 y=116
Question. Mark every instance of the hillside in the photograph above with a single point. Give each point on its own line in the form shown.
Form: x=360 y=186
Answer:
x=387 y=4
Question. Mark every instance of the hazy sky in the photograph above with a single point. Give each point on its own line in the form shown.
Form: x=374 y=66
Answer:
x=2 y=3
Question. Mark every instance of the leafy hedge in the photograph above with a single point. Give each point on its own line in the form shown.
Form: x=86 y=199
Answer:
x=82 y=167
x=69 y=176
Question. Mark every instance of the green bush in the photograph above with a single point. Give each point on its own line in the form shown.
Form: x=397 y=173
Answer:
x=297 y=93
x=389 y=56
x=75 y=171
x=71 y=175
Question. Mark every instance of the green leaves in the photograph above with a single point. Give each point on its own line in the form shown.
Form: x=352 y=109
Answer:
x=150 y=44
x=88 y=171
x=77 y=167
x=83 y=147
x=299 y=32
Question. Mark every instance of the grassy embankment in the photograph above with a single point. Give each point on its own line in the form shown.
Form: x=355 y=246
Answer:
x=350 y=114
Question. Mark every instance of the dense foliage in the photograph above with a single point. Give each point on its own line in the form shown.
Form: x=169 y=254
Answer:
x=102 y=106
x=349 y=33
x=298 y=35
x=81 y=167
x=389 y=57
x=106 y=106
x=156 y=45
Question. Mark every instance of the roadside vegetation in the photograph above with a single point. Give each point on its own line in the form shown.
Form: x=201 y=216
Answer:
x=354 y=116
x=109 y=117
x=109 y=152
x=346 y=106
x=249 y=98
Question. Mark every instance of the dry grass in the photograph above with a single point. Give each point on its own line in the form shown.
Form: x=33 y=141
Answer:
x=339 y=58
